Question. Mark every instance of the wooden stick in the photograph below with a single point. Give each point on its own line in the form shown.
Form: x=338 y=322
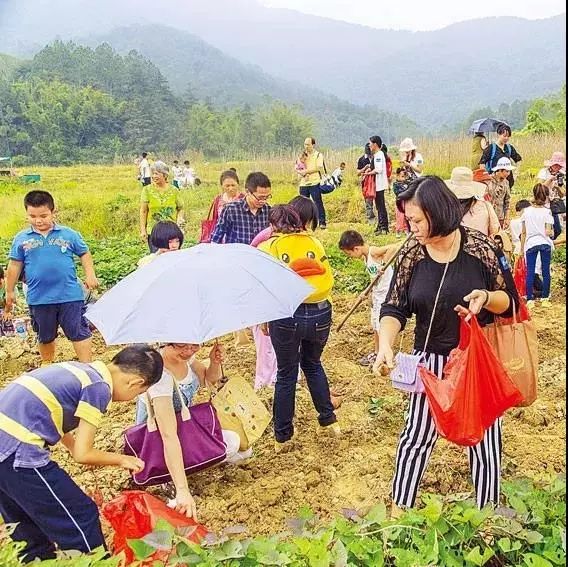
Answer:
x=368 y=289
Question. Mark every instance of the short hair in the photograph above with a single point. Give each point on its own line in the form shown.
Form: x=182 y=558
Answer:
x=256 y=179
x=522 y=204
x=307 y=211
x=502 y=128
x=400 y=170
x=285 y=219
x=349 y=239
x=540 y=194
x=441 y=207
x=39 y=198
x=160 y=167
x=142 y=360
x=342 y=163
x=376 y=140
x=176 y=161
x=144 y=154
x=163 y=232
x=186 y=162
x=229 y=174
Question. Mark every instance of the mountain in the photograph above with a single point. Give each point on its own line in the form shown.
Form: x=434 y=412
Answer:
x=190 y=64
x=8 y=65
x=435 y=77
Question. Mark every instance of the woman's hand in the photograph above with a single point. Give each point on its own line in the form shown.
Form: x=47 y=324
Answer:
x=384 y=362
x=217 y=354
x=133 y=464
x=185 y=504
x=264 y=329
x=477 y=299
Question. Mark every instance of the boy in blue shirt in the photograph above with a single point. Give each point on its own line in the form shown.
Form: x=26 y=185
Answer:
x=45 y=251
x=42 y=408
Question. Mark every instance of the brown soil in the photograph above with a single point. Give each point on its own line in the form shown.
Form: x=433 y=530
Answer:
x=355 y=470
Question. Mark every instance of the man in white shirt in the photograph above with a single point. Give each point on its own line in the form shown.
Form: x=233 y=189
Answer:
x=144 y=167
x=381 y=183
x=188 y=174
x=177 y=174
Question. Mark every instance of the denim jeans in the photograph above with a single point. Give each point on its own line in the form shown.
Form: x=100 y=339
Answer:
x=314 y=192
x=545 y=255
x=557 y=226
x=299 y=342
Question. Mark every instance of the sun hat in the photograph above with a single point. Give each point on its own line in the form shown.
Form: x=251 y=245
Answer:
x=503 y=163
x=462 y=185
x=557 y=158
x=407 y=145
x=160 y=167
x=480 y=175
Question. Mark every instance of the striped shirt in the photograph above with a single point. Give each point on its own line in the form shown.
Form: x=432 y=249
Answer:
x=39 y=407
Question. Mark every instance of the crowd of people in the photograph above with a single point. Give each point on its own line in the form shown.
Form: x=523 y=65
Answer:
x=454 y=264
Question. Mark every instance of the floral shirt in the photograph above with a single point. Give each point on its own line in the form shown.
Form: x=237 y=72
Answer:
x=500 y=194
x=162 y=204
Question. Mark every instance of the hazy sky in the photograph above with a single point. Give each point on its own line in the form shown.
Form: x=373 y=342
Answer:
x=419 y=14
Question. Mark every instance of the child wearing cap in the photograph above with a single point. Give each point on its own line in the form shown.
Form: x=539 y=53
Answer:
x=499 y=189
x=42 y=408
x=45 y=251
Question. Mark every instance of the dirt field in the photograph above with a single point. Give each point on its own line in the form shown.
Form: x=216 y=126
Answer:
x=355 y=470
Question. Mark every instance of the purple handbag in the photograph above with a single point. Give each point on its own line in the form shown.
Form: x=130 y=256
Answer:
x=200 y=436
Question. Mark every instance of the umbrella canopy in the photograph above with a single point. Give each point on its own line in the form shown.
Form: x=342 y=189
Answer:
x=197 y=294
x=484 y=125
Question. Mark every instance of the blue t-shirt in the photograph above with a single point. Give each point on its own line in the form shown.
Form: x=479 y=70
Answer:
x=49 y=265
x=39 y=407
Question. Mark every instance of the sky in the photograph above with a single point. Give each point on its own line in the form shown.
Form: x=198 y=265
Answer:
x=419 y=15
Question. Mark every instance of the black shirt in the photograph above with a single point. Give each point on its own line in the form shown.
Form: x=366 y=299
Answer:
x=509 y=152
x=478 y=265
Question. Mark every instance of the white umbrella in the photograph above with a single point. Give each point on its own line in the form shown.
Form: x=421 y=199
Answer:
x=197 y=294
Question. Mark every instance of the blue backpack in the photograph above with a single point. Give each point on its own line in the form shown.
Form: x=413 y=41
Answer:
x=489 y=164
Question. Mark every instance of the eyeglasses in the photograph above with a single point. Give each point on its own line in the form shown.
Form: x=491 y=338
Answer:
x=261 y=197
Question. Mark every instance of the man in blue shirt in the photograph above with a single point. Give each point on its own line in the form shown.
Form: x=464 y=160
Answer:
x=243 y=219
x=45 y=252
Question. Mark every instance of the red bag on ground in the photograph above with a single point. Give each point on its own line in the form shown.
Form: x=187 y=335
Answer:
x=475 y=391
x=520 y=276
x=133 y=515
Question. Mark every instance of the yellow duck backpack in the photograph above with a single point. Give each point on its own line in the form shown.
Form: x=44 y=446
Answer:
x=305 y=255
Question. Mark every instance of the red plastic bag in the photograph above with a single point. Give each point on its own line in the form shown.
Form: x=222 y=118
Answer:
x=475 y=391
x=369 y=187
x=520 y=276
x=134 y=514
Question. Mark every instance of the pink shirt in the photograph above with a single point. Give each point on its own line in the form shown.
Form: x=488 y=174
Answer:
x=262 y=236
x=482 y=217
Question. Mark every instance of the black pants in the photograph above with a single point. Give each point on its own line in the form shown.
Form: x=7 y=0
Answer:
x=383 y=216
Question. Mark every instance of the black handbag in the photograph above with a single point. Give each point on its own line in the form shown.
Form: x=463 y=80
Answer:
x=557 y=207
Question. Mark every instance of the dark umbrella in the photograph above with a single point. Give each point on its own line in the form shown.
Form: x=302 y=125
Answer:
x=484 y=125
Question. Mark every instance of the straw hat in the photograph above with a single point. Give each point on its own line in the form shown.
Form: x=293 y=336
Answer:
x=503 y=163
x=480 y=175
x=462 y=184
x=556 y=159
x=407 y=145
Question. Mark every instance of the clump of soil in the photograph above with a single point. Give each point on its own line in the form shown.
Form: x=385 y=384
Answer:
x=352 y=471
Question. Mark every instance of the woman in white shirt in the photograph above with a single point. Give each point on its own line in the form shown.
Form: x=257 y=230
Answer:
x=536 y=242
x=190 y=374
x=410 y=158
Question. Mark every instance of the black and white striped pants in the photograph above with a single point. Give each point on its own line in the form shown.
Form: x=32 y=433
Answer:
x=418 y=439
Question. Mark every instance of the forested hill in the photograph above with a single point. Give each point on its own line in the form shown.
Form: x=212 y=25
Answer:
x=194 y=67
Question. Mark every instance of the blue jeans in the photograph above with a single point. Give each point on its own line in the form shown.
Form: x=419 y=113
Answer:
x=299 y=342
x=314 y=192
x=545 y=255
x=557 y=226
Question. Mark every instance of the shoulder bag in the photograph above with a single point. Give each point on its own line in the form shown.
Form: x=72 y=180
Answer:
x=200 y=437
x=208 y=224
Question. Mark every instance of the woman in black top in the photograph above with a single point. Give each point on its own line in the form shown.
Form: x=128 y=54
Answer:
x=478 y=281
x=501 y=148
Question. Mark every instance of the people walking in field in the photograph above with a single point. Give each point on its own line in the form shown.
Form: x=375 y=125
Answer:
x=464 y=269
x=536 y=242
x=353 y=245
x=46 y=251
x=364 y=165
x=299 y=341
x=379 y=171
x=553 y=177
x=242 y=219
x=310 y=178
x=189 y=175
x=158 y=201
x=410 y=158
x=501 y=149
x=477 y=212
x=63 y=403
x=177 y=174
x=144 y=170
x=499 y=190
